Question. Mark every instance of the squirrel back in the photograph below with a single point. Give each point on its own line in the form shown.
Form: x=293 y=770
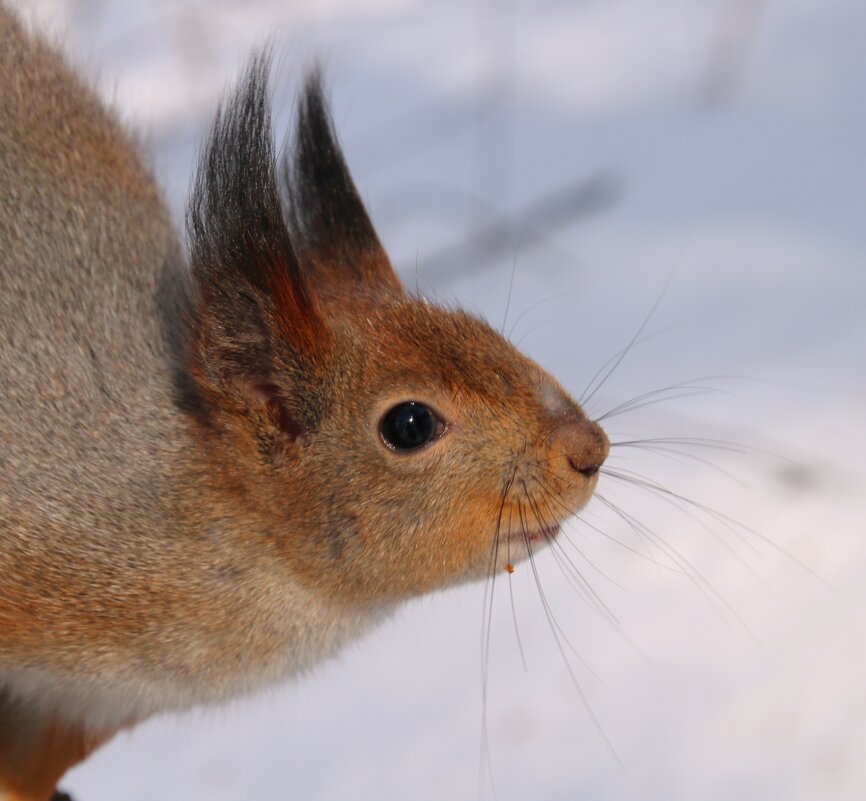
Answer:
x=218 y=468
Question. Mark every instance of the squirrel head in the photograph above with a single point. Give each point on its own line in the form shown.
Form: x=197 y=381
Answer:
x=381 y=445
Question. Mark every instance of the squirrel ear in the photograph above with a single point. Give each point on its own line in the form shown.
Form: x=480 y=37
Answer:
x=254 y=314
x=329 y=220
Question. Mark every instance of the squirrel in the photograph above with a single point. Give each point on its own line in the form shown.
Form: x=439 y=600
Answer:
x=222 y=462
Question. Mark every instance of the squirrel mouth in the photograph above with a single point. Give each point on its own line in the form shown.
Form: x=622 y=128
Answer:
x=543 y=534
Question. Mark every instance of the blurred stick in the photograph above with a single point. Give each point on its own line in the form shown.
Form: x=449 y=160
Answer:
x=526 y=227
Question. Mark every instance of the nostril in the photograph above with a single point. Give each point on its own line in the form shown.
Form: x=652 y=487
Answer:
x=585 y=470
x=584 y=446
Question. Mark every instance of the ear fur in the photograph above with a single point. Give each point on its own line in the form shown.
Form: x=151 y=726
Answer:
x=329 y=221
x=255 y=318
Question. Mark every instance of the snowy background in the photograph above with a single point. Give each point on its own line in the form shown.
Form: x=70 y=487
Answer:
x=605 y=150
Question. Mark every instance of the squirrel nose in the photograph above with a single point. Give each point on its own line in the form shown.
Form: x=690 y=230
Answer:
x=584 y=444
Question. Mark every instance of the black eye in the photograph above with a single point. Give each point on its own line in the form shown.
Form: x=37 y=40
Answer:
x=409 y=426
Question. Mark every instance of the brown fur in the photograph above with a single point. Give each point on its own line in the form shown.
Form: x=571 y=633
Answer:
x=195 y=500
x=35 y=753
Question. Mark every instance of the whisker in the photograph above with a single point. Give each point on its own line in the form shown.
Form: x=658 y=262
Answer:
x=610 y=618
x=511 y=599
x=554 y=629
x=727 y=521
x=590 y=391
x=679 y=457
x=552 y=499
x=608 y=536
x=485 y=757
x=709 y=443
x=552 y=618
x=681 y=389
x=681 y=503
x=691 y=572
x=649 y=485
x=511 y=285
x=535 y=305
x=695 y=442
x=573 y=574
x=530 y=332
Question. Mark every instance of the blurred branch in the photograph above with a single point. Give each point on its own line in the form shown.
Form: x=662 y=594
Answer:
x=526 y=227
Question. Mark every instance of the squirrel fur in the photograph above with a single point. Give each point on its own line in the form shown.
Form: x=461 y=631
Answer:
x=196 y=500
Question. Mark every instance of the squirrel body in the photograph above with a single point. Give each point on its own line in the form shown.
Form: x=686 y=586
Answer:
x=219 y=467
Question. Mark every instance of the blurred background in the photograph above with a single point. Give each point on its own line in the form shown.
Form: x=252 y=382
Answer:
x=573 y=170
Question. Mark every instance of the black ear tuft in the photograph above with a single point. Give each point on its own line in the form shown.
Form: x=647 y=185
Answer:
x=254 y=319
x=329 y=220
x=241 y=247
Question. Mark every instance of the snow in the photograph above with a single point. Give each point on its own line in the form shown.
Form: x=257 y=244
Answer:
x=743 y=208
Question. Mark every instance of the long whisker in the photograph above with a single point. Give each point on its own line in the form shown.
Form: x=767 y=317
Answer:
x=729 y=522
x=691 y=572
x=552 y=618
x=694 y=442
x=679 y=501
x=681 y=389
x=545 y=606
x=672 y=443
x=590 y=391
x=530 y=332
x=485 y=757
x=553 y=500
x=511 y=285
x=610 y=618
x=685 y=567
x=555 y=631
x=708 y=443
x=532 y=307
x=683 y=509
x=625 y=546
x=684 y=458
x=572 y=573
x=511 y=598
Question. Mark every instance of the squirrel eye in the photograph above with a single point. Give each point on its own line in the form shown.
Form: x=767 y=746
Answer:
x=409 y=426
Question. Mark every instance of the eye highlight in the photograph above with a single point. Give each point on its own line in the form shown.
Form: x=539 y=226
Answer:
x=409 y=426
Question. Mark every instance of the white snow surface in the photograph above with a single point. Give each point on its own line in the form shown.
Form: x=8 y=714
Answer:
x=732 y=132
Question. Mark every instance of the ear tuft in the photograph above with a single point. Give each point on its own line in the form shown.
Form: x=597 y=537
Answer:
x=330 y=223
x=241 y=248
x=254 y=318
